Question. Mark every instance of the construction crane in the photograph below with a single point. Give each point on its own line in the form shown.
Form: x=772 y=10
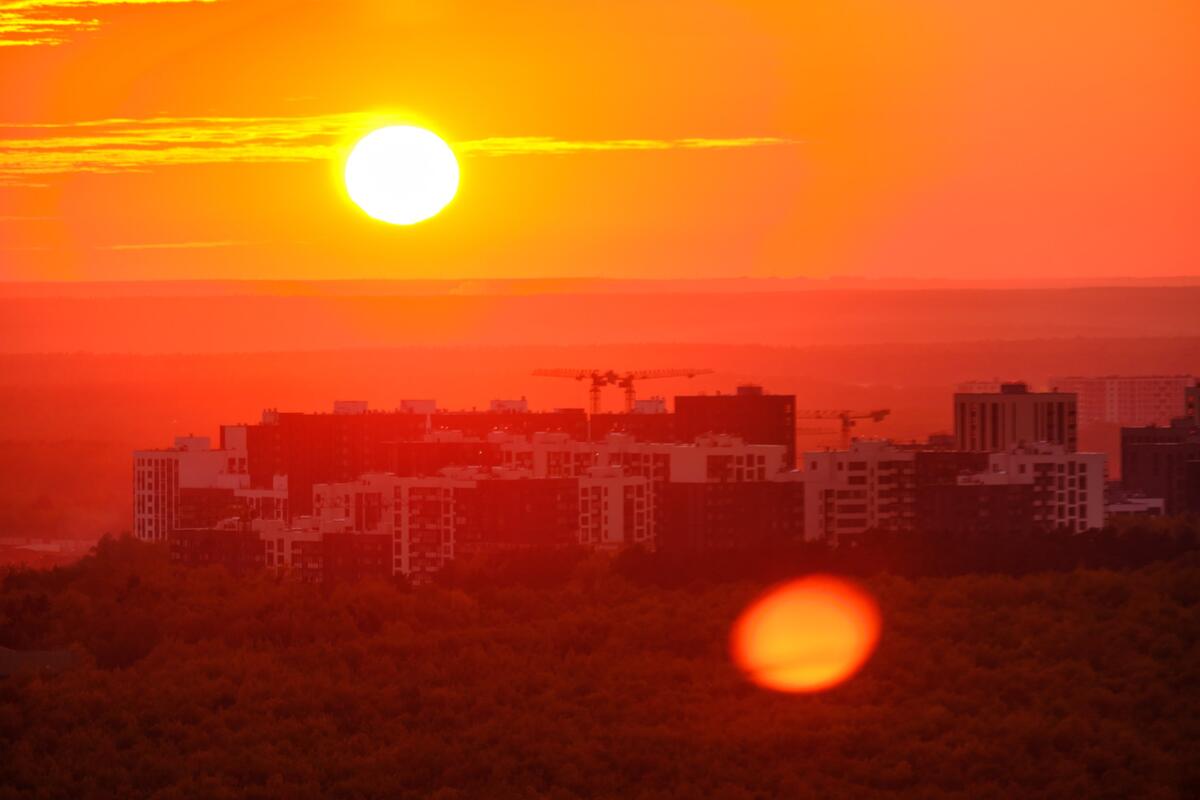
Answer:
x=600 y=378
x=848 y=419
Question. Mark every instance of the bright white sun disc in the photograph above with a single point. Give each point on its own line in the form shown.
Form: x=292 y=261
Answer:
x=401 y=174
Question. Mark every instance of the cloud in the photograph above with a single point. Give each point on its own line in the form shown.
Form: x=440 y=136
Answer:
x=545 y=145
x=174 y=245
x=30 y=23
x=30 y=151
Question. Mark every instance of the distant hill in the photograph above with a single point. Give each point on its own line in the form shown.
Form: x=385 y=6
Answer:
x=755 y=313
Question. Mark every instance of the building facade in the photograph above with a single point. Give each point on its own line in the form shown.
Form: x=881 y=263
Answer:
x=750 y=414
x=191 y=485
x=1068 y=487
x=1163 y=462
x=878 y=487
x=1014 y=416
x=1127 y=399
x=870 y=487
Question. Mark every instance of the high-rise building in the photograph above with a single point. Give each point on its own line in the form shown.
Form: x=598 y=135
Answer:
x=751 y=414
x=997 y=421
x=870 y=487
x=1163 y=462
x=1127 y=399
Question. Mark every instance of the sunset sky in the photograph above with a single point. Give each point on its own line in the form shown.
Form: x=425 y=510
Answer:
x=165 y=139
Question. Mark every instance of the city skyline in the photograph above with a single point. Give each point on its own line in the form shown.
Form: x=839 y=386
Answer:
x=713 y=471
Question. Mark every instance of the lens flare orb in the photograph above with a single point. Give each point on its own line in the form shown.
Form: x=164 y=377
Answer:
x=806 y=635
x=401 y=174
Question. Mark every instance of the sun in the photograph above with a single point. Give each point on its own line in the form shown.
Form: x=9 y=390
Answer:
x=807 y=635
x=401 y=174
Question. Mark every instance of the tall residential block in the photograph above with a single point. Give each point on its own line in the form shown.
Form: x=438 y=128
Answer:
x=1127 y=399
x=997 y=421
x=751 y=414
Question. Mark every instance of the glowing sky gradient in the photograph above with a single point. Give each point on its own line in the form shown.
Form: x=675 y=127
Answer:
x=174 y=139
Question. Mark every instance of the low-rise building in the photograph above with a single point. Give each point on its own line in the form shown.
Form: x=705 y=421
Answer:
x=1119 y=502
x=469 y=510
x=193 y=485
x=879 y=487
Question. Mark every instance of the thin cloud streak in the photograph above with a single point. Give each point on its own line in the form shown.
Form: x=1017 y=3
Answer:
x=531 y=145
x=34 y=23
x=175 y=245
x=139 y=145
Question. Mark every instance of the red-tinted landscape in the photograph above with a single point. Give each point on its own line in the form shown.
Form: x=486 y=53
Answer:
x=599 y=401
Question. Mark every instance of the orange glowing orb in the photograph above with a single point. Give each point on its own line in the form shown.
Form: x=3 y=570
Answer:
x=401 y=174
x=806 y=635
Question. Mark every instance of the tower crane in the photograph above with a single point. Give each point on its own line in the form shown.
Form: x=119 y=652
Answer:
x=600 y=378
x=848 y=419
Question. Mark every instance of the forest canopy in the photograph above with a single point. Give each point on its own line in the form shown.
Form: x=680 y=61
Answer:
x=579 y=676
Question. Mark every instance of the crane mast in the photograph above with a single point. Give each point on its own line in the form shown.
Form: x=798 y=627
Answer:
x=847 y=419
x=599 y=378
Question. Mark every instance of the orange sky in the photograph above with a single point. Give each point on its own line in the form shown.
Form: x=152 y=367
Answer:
x=989 y=138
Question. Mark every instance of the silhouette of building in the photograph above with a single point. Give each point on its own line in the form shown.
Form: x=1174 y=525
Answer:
x=723 y=515
x=440 y=449
x=466 y=510
x=1127 y=399
x=750 y=414
x=353 y=556
x=238 y=550
x=952 y=497
x=996 y=421
x=1192 y=404
x=1163 y=462
x=645 y=427
x=359 y=493
x=1119 y=501
x=973 y=505
x=320 y=448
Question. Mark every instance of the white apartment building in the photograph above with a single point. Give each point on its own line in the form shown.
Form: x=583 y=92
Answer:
x=158 y=476
x=615 y=509
x=873 y=487
x=173 y=485
x=1068 y=488
x=1130 y=400
x=711 y=458
x=428 y=518
x=869 y=487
